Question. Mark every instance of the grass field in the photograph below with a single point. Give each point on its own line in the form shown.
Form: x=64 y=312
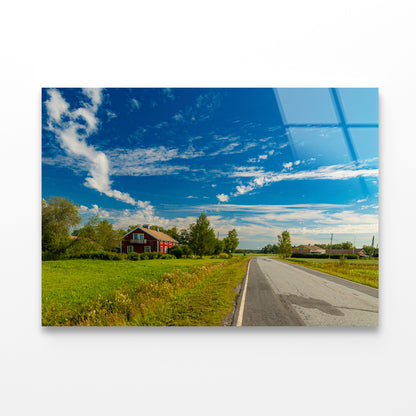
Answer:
x=150 y=292
x=360 y=271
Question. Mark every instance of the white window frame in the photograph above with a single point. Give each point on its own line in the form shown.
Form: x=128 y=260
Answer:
x=138 y=236
x=147 y=249
x=130 y=249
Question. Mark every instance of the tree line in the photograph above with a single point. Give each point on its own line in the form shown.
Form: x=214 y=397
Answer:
x=60 y=219
x=284 y=247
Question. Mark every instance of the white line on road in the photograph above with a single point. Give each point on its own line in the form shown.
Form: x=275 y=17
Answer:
x=243 y=299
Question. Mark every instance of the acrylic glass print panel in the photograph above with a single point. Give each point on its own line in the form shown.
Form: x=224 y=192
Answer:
x=210 y=207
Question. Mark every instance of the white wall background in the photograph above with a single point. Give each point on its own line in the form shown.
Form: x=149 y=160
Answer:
x=189 y=371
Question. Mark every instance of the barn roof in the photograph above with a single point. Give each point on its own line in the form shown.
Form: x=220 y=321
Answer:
x=157 y=234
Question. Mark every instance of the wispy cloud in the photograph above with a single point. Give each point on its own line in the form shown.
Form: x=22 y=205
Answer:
x=225 y=150
x=149 y=161
x=333 y=172
x=168 y=93
x=245 y=172
x=111 y=115
x=161 y=125
x=135 y=104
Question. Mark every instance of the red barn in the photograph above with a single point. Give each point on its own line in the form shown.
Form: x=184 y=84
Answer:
x=145 y=240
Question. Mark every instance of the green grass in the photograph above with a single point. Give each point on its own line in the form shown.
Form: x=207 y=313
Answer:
x=360 y=271
x=96 y=292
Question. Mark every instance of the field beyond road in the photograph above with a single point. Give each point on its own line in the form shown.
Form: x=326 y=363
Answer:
x=360 y=271
x=157 y=292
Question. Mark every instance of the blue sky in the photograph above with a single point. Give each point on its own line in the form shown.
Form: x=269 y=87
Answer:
x=258 y=160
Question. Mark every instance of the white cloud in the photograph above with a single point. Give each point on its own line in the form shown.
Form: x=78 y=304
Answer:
x=72 y=134
x=111 y=115
x=191 y=197
x=95 y=95
x=168 y=93
x=288 y=165
x=56 y=106
x=95 y=210
x=135 y=104
x=263 y=157
x=178 y=117
x=241 y=189
x=223 y=197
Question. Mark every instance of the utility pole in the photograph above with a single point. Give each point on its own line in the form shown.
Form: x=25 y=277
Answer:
x=372 y=248
x=330 y=246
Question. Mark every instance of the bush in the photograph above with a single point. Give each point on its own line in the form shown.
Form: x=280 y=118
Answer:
x=223 y=256
x=309 y=255
x=324 y=256
x=133 y=256
x=186 y=251
x=345 y=256
x=144 y=256
x=152 y=256
x=100 y=255
x=46 y=255
x=168 y=257
x=176 y=251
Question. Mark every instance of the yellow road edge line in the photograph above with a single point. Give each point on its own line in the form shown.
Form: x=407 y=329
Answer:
x=243 y=299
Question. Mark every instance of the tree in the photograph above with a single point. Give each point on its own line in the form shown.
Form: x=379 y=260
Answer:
x=183 y=237
x=202 y=236
x=187 y=252
x=59 y=215
x=102 y=232
x=269 y=249
x=219 y=246
x=173 y=232
x=131 y=228
x=231 y=241
x=367 y=250
x=284 y=246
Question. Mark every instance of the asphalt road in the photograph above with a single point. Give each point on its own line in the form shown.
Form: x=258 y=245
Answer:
x=281 y=294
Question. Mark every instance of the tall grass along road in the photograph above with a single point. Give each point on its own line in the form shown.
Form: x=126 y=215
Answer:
x=147 y=293
x=280 y=294
x=360 y=271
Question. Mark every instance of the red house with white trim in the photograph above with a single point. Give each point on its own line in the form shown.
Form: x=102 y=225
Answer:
x=144 y=240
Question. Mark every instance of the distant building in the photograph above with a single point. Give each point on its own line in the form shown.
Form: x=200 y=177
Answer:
x=144 y=240
x=308 y=249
